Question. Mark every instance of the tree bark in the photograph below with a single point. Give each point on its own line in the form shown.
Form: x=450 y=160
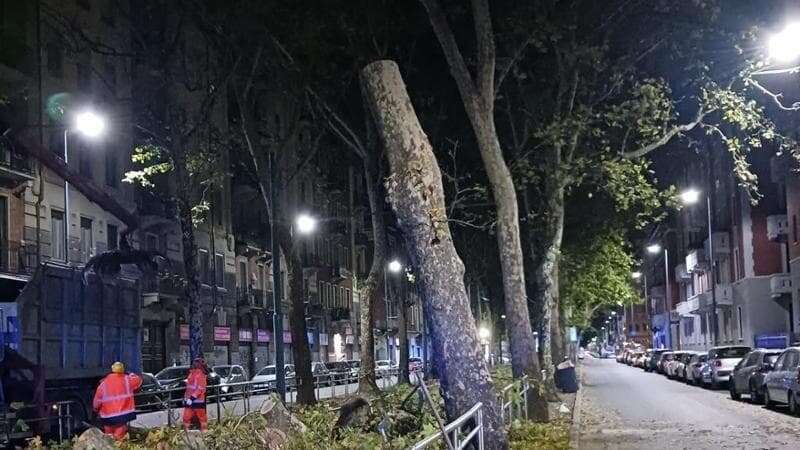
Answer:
x=546 y=273
x=189 y=249
x=297 y=321
x=402 y=332
x=478 y=98
x=415 y=191
x=369 y=292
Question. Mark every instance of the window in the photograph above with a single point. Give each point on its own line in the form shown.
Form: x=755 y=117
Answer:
x=791 y=361
x=112 y=238
x=739 y=322
x=242 y=274
x=222 y=317
x=779 y=363
x=737 y=268
x=219 y=270
x=86 y=238
x=55 y=60
x=202 y=265
x=57 y=231
x=112 y=179
x=151 y=242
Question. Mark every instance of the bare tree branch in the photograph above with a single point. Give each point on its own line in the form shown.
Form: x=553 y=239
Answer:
x=674 y=131
x=777 y=98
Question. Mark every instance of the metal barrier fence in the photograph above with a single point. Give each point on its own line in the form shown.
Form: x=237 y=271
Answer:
x=454 y=434
x=235 y=399
x=14 y=425
x=515 y=400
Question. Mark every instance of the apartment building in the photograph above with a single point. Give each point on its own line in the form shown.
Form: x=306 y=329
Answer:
x=750 y=261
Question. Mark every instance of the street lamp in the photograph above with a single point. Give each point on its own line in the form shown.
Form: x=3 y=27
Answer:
x=394 y=266
x=785 y=46
x=484 y=333
x=636 y=275
x=91 y=125
x=305 y=224
x=655 y=249
x=691 y=196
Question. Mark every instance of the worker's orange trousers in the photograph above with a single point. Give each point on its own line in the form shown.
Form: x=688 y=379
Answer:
x=189 y=414
x=118 y=432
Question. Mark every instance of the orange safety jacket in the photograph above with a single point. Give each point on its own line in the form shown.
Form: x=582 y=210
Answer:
x=196 y=388
x=113 y=399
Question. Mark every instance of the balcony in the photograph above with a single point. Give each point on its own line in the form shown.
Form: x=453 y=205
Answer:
x=722 y=243
x=777 y=227
x=696 y=261
x=17 y=259
x=687 y=308
x=780 y=284
x=15 y=167
x=681 y=274
x=704 y=301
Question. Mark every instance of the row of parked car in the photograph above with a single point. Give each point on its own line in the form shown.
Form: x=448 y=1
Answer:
x=229 y=379
x=765 y=376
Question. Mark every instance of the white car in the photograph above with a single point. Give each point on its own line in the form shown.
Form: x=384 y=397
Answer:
x=383 y=367
x=722 y=360
x=264 y=379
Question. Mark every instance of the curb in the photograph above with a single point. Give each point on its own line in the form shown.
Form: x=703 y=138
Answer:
x=574 y=429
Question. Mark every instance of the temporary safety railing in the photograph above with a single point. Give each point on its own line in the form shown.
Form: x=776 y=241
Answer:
x=454 y=435
x=237 y=398
x=16 y=424
x=515 y=400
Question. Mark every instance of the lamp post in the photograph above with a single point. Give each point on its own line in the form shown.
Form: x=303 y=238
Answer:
x=785 y=45
x=92 y=126
x=394 y=266
x=655 y=249
x=689 y=197
x=647 y=306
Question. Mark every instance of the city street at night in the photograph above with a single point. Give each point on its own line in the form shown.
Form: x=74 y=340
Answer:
x=623 y=407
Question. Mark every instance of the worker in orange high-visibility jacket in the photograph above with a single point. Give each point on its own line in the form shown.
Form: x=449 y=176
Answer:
x=194 y=398
x=113 y=400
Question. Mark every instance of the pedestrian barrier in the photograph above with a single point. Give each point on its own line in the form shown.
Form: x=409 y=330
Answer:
x=454 y=435
x=17 y=424
x=515 y=400
x=235 y=399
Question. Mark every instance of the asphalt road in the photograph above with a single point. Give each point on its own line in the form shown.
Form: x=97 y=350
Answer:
x=626 y=408
x=240 y=406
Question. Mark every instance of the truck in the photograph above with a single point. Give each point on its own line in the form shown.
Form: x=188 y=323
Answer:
x=60 y=336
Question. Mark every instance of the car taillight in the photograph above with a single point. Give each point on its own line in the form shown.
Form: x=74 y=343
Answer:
x=718 y=363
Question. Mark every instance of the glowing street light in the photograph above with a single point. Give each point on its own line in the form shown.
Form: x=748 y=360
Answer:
x=484 y=333
x=654 y=248
x=636 y=275
x=690 y=196
x=305 y=224
x=785 y=46
x=90 y=124
x=613 y=313
x=395 y=266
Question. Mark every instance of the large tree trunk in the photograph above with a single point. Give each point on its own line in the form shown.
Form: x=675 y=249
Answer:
x=297 y=322
x=415 y=192
x=402 y=332
x=192 y=286
x=369 y=292
x=546 y=273
x=478 y=97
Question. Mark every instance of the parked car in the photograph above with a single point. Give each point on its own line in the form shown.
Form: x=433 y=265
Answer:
x=230 y=376
x=645 y=360
x=636 y=356
x=339 y=371
x=383 y=367
x=748 y=376
x=722 y=360
x=149 y=396
x=264 y=379
x=781 y=385
x=322 y=376
x=697 y=364
x=666 y=357
x=682 y=368
x=652 y=364
x=174 y=379
x=671 y=366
